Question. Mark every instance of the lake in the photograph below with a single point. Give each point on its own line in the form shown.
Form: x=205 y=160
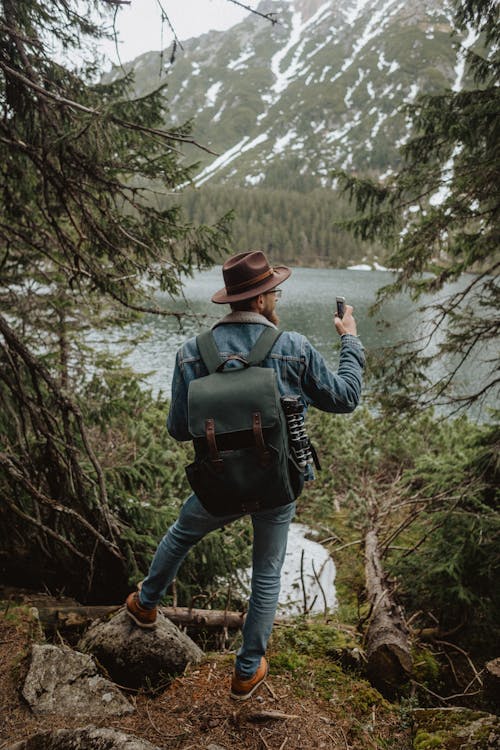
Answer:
x=307 y=305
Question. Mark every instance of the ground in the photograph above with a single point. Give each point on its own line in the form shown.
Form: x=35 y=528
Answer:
x=324 y=707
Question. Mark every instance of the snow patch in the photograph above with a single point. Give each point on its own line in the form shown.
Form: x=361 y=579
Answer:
x=284 y=77
x=461 y=55
x=324 y=72
x=412 y=94
x=211 y=94
x=228 y=156
x=254 y=179
x=352 y=13
x=218 y=115
x=378 y=21
x=281 y=143
x=238 y=63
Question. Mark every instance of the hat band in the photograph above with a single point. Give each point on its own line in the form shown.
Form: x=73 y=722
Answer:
x=250 y=282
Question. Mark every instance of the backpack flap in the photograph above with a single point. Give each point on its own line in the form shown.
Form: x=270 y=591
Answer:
x=231 y=398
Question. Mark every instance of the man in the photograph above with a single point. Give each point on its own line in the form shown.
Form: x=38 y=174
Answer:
x=251 y=288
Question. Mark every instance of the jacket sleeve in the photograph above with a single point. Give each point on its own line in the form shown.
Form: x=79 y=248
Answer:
x=177 y=420
x=338 y=392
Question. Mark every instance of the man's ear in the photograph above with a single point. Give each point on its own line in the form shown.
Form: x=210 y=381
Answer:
x=258 y=303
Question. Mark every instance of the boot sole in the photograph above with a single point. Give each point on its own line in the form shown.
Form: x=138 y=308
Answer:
x=143 y=625
x=246 y=696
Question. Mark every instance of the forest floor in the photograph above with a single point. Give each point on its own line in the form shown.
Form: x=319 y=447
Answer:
x=324 y=706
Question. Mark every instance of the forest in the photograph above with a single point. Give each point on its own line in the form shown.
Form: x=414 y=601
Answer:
x=90 y=480
x=302 y=226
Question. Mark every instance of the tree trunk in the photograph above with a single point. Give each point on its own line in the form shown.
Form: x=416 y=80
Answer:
x=387 y=647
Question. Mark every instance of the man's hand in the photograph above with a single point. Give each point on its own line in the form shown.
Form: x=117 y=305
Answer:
x=347 y=324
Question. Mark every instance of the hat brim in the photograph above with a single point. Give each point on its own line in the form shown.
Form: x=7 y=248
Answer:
x=280 y=274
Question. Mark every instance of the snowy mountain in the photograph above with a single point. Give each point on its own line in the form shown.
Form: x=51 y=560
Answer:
x=322 y=88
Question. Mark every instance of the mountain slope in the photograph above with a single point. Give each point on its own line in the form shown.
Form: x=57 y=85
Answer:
x=323 y=88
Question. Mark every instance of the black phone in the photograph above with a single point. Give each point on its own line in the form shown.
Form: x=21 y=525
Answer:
x=340 y=306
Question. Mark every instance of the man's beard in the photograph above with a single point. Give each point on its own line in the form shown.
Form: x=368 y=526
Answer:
x=272 y=317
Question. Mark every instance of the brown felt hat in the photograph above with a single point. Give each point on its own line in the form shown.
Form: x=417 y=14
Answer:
x=248 y=274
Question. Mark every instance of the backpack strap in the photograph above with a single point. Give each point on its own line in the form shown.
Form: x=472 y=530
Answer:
x=263 y=345
x=208 y=351
x=212 y=359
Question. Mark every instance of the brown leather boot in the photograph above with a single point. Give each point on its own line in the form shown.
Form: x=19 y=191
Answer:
x=242 y=689
x=144 y=618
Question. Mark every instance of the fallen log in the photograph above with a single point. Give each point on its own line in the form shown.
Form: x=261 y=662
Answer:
x=57 y=616
x=387 y=646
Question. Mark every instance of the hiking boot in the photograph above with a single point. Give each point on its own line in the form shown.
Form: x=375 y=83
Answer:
x=144 y=618
x=242 y=689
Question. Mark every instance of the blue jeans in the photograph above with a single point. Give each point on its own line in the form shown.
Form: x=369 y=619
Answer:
x=270 y=530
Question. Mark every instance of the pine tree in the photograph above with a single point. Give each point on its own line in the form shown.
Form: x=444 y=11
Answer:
x=439 y=218
x=80 y=245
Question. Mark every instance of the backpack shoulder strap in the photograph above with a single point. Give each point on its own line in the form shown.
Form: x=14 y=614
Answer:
x=208 y=351
x=263 y=345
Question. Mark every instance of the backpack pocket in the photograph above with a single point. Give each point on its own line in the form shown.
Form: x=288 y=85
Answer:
x=242 y=483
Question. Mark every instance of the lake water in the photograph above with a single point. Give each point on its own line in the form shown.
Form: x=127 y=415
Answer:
x=307 y=305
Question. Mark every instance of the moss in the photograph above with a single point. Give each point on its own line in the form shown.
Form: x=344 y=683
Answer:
x=24 y=617
x=288 y=661
x=426 y=667
x=425 y=741
x=455 y=728
x=314 y=637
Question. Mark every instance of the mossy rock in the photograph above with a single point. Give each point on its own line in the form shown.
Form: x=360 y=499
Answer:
x=455 y=728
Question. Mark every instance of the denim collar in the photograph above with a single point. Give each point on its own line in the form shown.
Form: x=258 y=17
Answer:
x=244 y=316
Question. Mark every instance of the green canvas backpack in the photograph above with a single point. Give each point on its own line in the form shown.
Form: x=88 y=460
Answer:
x=243 y=462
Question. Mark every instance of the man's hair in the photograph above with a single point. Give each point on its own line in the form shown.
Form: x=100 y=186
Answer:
x=243 y=305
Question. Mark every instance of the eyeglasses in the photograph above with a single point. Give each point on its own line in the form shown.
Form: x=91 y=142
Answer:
x=277 y=293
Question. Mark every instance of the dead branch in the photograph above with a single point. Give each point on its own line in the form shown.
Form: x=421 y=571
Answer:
x=266 y=715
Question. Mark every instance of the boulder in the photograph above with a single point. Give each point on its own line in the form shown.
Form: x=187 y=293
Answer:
x=492 y=682
x=453 y=728
x=88 y=738
x=64 y=681
x=136 y=657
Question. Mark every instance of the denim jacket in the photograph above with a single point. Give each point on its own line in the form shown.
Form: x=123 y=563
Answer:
x=300 y=368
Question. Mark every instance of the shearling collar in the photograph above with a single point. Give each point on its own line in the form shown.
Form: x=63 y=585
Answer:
x=244 y=316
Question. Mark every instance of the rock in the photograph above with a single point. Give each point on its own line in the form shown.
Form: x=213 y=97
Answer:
x=492 y=682
x=453 y=728
x=215 y=747
x=61 y=680
x=89 y=738
x=136 y=657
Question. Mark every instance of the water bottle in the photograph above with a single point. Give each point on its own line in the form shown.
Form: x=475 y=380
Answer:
x=299 y=442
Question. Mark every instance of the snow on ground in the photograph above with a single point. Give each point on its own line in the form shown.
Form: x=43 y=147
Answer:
x=283 y=77
x=461 y=54
x=228 y=156
x=317 y=565
x=211 y=94
x=378 y=21
x=318 y=573
x=254 y=179
x=282 y=143
x=324 y=73
x=237 y=64
x=217 y=116
x=350 y=14
x=352 y=89
x=412 y=94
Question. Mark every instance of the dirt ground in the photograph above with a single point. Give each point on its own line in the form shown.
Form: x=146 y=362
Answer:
x=195 y=710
